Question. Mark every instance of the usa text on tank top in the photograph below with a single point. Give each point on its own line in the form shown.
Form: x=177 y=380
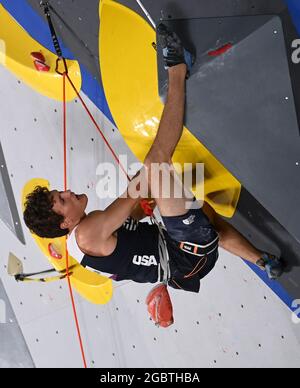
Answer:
x=136 y=256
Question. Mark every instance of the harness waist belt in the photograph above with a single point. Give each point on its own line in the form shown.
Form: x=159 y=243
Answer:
x=199 y=250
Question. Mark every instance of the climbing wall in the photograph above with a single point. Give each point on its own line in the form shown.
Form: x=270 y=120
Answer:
x=218 y=327
x=235 y=321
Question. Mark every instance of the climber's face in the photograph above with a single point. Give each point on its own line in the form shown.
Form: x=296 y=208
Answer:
x=71 y=206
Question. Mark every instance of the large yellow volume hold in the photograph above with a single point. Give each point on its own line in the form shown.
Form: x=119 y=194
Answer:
x=91 y=286
x=128 y=67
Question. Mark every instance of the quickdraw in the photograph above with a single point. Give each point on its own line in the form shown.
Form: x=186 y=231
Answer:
x=47 y=7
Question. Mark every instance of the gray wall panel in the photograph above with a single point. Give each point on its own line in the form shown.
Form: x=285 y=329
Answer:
x=14 y=352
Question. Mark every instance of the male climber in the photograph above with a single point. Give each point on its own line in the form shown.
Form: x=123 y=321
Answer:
x=113 y=242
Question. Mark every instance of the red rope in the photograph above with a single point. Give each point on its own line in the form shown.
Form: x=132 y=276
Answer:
x=98 y=128
x=67 y=255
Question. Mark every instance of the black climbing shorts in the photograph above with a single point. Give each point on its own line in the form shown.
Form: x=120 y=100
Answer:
x=189 y=263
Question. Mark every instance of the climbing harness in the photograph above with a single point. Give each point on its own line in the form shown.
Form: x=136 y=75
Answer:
x=158 y=301
x=200 y=250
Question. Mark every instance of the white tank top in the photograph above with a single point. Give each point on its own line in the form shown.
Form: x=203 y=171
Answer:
x=73 y=247
x=77 y=254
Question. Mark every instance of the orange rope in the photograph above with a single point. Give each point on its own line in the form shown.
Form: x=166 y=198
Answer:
x=98 y=128
x=67 y=255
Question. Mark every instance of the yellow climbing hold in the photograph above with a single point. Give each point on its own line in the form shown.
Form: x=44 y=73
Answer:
x=93 y=287
x=128 y=66
x=16 y=46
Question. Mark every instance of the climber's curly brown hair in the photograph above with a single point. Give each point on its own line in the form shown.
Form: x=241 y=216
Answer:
x=39 y=215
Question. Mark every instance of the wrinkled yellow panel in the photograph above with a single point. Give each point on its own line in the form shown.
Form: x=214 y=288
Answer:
x=16 y=46
x=129 y=73
x=93 y=287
